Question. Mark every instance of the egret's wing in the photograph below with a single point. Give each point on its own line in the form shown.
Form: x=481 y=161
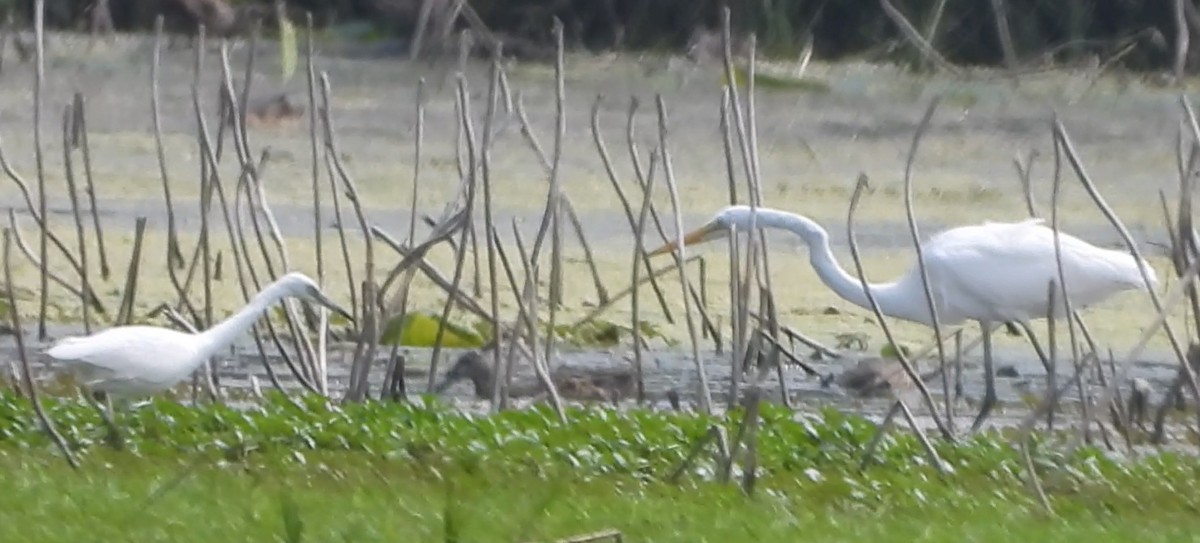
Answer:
x=127 y=352
x=1003 y=270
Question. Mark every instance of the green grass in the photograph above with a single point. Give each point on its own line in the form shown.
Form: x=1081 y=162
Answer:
x=422 y=472
x=358 y=497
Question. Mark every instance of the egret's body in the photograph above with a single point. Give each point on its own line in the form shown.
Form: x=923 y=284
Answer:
x=990 y=273
x=103 y=361
x=142 y=360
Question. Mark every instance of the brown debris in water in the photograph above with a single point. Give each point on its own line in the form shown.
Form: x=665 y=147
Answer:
x=575 y=383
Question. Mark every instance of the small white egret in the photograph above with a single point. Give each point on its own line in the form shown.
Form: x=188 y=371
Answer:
x=990 y=273
x=141 y=360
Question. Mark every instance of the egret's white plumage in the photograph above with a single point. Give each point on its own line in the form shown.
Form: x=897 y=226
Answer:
x=141 y=360
x=991 y=273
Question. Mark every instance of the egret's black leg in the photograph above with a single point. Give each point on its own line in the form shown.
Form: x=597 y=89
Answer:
x=958 y=365
x=989 y=379
x=1012 y=329
x=114 y=438
x=1037 y=347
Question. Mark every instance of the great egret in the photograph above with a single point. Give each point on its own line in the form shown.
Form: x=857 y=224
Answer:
x=141 y=360
x=990 y=273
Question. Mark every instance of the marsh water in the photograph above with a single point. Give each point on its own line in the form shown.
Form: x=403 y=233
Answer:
x=1020 y=384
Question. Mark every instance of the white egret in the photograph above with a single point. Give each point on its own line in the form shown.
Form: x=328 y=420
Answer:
x=129 y=361
x=991 y=273
x=140 y=360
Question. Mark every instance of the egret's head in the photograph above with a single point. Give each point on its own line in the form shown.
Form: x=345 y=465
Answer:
x=301 y=286
x=716 y=228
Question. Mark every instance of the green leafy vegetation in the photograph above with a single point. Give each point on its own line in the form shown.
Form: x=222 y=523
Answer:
x=314 y=471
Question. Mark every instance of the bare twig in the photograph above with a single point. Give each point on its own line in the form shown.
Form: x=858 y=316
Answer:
x=1085 y=180
x=125 y=313
x=80 y=131
x=704 y=392
x=39 y=16
x=639 y=257
x=362 y=365
x=713 y=433
x=26 y=372
x=598 y=138
x=81 y=293
x=906 y=28
x=929 y=403
x=174 y=256
x=321 y=361
x=1006 y=42
x=1182 y=40
x=461 y=253
x=1064 y=293
x=490 y=228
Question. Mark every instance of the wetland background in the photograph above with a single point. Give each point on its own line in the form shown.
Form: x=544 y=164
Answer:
x=214 y=165
x=829 y=121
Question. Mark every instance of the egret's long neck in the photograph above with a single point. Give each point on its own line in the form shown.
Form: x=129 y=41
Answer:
x=893 y=298
x=224 y=333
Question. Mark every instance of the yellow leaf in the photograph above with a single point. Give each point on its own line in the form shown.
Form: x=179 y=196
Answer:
x=421 y=329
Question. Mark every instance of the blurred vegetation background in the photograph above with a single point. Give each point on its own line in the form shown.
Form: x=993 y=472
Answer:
x=1134 y=34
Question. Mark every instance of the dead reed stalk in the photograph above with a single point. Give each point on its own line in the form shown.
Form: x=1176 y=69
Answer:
x=460 y=255
x=69 y=173
x=498 y=390
x=246 y=276
x=81 y=293
x=1174 y=296
x=39 y=81
x=1064 y=291
x=554 y=201
x=207 y=180
x=81 y=139
x=368 y=328
x=679 y=254
x=174 y=256
x=321 y=361
x=541 y=366
x=602 y=149
x=639 y=258
x=26 y=372
x=125 y=313
x=1060 y=134
x=910 y=216
x=859 y=187
x=257 y=198
x=35 y=211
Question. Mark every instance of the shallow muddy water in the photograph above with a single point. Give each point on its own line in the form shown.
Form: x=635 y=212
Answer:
x=1020 y=384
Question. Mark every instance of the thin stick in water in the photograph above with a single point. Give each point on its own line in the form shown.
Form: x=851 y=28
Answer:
x=125 y=313
x=663 y=137
x=69 y=171
x=80 y=130
x=26 y=372
x=39 y=30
